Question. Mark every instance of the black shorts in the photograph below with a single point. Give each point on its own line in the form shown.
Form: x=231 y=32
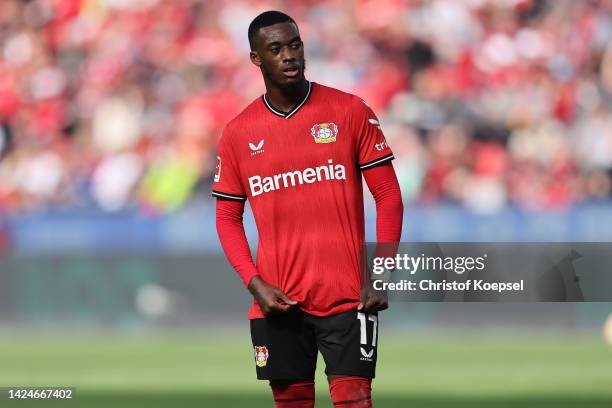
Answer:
x=286 y=345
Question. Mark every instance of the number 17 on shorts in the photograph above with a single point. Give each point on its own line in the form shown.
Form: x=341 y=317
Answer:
x=368 y=343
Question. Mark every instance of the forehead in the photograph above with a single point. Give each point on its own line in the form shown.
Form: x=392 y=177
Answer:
x=279 y=32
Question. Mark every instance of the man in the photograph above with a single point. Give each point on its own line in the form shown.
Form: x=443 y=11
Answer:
x=297 y=154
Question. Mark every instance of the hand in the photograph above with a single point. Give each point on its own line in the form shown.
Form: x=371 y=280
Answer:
x=269 y=298
x=373 y=300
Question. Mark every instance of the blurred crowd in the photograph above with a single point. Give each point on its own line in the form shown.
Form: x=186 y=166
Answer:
x=118 y=104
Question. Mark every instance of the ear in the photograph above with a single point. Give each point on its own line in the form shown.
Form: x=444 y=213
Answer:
x=255 y=59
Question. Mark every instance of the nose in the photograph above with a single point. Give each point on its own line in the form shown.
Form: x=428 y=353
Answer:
x=288 y=54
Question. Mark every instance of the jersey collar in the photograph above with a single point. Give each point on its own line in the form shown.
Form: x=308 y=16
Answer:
x=287 y=115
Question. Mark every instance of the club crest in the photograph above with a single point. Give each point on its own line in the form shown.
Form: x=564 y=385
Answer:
x=261 y=356
x=324 y=132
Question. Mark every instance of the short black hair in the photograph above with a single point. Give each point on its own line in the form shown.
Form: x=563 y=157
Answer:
x=265 y=19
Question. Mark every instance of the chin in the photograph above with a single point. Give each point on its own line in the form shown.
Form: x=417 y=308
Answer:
x=289 y=82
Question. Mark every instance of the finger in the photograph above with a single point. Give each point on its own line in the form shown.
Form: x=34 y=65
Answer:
x=366 y=302
x=360 y=306
x=382 y=306
x=376 y=304
x=278 y=307
x=369 y=304
x=286 y=298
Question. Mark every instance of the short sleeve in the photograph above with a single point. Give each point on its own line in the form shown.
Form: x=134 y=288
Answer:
x=227 y=184
x=372 y=147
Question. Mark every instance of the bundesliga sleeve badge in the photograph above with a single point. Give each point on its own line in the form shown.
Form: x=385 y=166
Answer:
x=261 y=356
x=218 y=170
x=324 y=132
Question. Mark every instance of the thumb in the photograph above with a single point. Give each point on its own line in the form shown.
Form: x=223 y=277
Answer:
x=286 y=298
x=360 y=306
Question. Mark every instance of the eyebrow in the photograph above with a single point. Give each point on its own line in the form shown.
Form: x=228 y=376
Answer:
x=297 y=38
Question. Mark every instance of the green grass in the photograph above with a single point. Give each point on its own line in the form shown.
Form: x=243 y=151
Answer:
x=217 y=371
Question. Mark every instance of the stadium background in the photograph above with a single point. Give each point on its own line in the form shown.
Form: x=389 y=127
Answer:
x=111 y=276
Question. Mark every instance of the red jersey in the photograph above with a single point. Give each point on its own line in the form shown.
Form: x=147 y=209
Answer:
x=301 y=173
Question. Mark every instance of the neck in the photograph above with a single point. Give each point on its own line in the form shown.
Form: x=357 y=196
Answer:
x=285 y=98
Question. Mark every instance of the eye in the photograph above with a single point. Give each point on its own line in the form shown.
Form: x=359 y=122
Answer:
x=296 y=45
x=274 y=50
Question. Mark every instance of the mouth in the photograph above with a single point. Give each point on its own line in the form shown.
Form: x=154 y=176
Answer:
x=291 y=72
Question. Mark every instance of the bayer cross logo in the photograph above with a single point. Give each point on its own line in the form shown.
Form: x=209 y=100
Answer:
x=324 y=132
x=261 y=356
